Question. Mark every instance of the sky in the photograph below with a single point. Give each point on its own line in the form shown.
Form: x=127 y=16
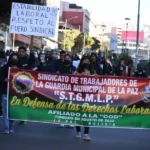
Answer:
x=115 y=11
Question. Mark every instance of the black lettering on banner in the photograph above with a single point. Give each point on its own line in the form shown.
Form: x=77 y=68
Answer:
x=32 y=14
x=14 y=6
x=30 y=18
x=19 y=28
x=42 y=15
x=31 y=29
x=41 y=30
x=50 y=22
x=17 y=13
x=41 y=22
x=48 y=9
x=13 y=19
x=12 y=26
x=36 y=21
x=37 y=14
x=54 y=12
x=22 y=13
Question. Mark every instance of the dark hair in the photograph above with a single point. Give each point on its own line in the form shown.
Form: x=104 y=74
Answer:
x=10 y=58
x=80 y=68
x=2 y=54
x=93 y=54
x=23 y=48
x=62 y=52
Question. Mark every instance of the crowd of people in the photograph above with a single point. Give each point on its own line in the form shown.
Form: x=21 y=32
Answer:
x=89 y=65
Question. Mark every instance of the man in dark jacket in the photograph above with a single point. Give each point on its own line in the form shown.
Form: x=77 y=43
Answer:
x=23 y=58
x=67 y=68
x=25 y=63
x=46 y=65
x=12 y=62
x=59 y=62
x=3 y=61
x=140 y=73
x=50 y=61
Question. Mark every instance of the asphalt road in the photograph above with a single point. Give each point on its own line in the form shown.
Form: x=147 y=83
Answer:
x=36 y=136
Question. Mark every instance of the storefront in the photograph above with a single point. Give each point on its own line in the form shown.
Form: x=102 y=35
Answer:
x=24 y=40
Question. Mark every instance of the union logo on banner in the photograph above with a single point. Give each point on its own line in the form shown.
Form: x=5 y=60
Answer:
x=23 y=82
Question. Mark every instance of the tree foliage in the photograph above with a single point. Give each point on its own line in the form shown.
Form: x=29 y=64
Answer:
x=96 y=44
x=69 y=39
x=4 y=27
x=105 y=45
x=79 y=41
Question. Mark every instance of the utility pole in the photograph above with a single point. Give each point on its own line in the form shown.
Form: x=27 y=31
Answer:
x=84 y=38
x=32 y=37
x=65 y=34
x=137 y=33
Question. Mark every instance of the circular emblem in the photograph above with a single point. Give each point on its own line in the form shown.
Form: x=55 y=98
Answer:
x=23 y=82
x=146 y=94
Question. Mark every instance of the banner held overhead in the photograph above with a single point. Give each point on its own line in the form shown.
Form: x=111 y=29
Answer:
x=33 y=20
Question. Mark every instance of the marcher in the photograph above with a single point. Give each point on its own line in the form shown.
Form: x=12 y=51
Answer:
x=59 y=62
x=46 y=65
x=140 y=73
x=12 y=62
x=96 y=64
x=50 y=61
x=108 y=67
x=3 y=61
x=24 y=63
x=86 y=69
x=67 y=68
x=120 y=68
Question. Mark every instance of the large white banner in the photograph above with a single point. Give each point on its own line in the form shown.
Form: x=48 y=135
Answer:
x=33 y=20
x=113 y=42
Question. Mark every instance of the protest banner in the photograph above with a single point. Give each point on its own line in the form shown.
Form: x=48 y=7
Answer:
x=98 y=101
x=35 y=20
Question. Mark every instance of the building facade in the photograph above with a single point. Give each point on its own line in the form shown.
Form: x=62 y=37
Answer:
x=117 y=31
x=76 y=16
x=53 y=42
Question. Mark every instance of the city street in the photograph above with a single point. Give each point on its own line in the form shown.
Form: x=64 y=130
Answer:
x=36 y=136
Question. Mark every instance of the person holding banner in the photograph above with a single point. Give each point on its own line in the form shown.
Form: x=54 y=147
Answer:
x=67 y=68
x=140 y=73
x=12 y=62
x=86 y=69
x=25 y=63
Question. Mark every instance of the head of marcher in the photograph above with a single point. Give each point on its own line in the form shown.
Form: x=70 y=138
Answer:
x=122 y=62
x=49 y=56
x=85 y=64
x=22 y=52
x=62 y=55
x=67 y=60
x=13 y=60
x=93 y=58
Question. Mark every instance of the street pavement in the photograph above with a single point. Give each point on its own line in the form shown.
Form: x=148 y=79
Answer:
x=36 y=136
